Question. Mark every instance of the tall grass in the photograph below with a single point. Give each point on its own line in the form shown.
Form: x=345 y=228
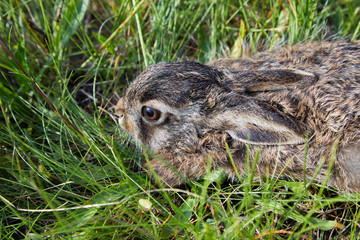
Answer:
x=85 y=182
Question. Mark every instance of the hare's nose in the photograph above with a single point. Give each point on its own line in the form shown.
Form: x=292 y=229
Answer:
x=120 y=119
x=120 y=110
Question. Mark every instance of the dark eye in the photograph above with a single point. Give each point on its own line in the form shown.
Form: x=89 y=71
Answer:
x=151 y=113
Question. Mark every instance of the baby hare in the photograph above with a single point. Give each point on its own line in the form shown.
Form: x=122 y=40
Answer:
x=187 y=112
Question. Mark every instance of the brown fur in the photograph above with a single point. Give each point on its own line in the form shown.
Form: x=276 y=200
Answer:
x=271 y=101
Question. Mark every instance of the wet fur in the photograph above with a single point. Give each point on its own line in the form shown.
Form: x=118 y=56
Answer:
x=272 y=99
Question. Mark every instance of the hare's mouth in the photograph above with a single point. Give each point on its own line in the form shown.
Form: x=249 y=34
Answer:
x=123 y=119
x=126 y=124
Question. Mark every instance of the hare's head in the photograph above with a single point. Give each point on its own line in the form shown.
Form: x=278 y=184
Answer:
x=177 y=103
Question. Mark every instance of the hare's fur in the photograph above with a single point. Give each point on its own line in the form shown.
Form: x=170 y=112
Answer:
x=270 y=101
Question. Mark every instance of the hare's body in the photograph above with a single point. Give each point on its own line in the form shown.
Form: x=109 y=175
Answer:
x=188 y=112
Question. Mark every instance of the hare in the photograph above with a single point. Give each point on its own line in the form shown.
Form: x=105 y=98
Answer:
x=187 y=113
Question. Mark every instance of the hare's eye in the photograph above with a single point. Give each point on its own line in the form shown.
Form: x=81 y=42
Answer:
x=151 y=113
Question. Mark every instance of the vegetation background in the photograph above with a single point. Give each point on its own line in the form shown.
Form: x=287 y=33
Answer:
x=66 y=169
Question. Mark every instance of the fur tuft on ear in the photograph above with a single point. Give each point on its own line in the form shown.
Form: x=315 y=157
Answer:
x=250 y=120
x=257 y=122
x=269 y=80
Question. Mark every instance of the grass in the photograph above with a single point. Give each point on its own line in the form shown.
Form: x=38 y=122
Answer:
x=84 y=181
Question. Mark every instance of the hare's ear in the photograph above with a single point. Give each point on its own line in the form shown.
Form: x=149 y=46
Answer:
x=256 y=122
x=270 y=80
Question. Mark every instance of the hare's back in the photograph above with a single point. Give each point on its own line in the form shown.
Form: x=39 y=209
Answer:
x=319 y=57
x=330 y=105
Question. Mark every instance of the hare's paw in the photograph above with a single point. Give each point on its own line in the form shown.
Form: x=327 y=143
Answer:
x=349 y=160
